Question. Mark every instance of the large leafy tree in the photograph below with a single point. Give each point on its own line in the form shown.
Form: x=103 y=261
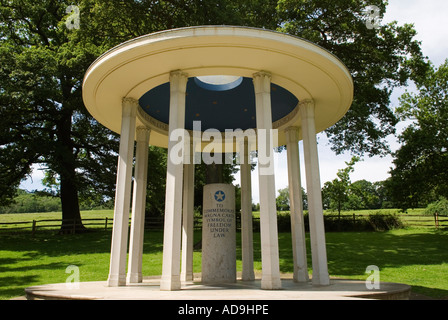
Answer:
x=420 y=174
x=43 y=119
x=379 y=57
x=42 y=64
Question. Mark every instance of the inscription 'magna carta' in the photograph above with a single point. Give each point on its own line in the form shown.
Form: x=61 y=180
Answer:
x=219 y=221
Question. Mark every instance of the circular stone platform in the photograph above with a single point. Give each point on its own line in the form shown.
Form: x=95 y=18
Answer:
x=339 y=289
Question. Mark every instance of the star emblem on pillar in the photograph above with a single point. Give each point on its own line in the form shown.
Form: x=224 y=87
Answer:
x=220 y=196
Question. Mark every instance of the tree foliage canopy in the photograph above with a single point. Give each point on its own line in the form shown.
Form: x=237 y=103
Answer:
x=43 y=119
x=420 y=175
x=42 y=64
x=379 y=59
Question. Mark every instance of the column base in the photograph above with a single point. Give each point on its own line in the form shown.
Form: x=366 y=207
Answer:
x=186 y=277
x=116 y=280
x=170 y=284
x=321 y=280
x=134 y=278
x=248 y=276
x=301 y=275
x=270 y=283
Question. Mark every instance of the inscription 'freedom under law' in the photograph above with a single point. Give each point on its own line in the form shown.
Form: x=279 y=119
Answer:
x=219 y=221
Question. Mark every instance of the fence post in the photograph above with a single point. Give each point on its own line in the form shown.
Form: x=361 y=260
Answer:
x=354 y=220
x=105 y=225
x=436 y=219
x=34 y=227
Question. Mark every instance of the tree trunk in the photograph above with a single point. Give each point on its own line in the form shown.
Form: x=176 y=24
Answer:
x=66 y=165
x=214 y=172
x=71 y=216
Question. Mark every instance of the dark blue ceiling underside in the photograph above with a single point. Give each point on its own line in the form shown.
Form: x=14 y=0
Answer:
x=229 y=109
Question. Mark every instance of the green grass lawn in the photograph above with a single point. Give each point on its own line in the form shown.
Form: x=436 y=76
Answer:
x=415 y=256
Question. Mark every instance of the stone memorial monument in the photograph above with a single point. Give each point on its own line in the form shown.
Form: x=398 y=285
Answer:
x=218 y=234
x=154 y=88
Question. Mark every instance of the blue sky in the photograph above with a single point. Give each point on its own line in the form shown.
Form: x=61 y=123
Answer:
x=429 y=18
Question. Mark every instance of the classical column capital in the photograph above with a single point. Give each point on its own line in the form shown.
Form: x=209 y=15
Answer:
x=306 y=108
x=178 y=73
x=307 y=102
x=142 y=133
x=292 y=134
x=262 y=82
x=143 y=128
x=178 y=80
x=129 y=101
x=129 y=106
x=262 y=73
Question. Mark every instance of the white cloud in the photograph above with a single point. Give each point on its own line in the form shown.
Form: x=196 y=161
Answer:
x=34 y=181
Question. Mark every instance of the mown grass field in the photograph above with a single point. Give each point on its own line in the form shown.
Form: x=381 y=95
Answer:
x=416 y=256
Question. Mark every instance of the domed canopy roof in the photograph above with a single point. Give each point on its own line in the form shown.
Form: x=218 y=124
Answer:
x=220 y=62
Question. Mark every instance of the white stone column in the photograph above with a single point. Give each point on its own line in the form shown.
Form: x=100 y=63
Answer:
x=247 y=241
x=138 y=206
x=296 y=206
x=270 y=278
x=315 y=209
x=117 y=271
x=188 y=217
x=174 y=180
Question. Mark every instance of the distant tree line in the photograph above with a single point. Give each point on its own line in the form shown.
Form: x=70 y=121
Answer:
x=26 y=202
x=44 y=201
x=342 y=194
x=359 y=195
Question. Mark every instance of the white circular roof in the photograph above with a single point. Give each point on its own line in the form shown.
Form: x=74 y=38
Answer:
x=133 y=68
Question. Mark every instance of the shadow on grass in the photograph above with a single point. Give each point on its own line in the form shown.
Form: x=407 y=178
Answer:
x=43 y=266
x=431 y=292
x=26 y=260
x=51 y=244
x=14 y=286
x=349 y=253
